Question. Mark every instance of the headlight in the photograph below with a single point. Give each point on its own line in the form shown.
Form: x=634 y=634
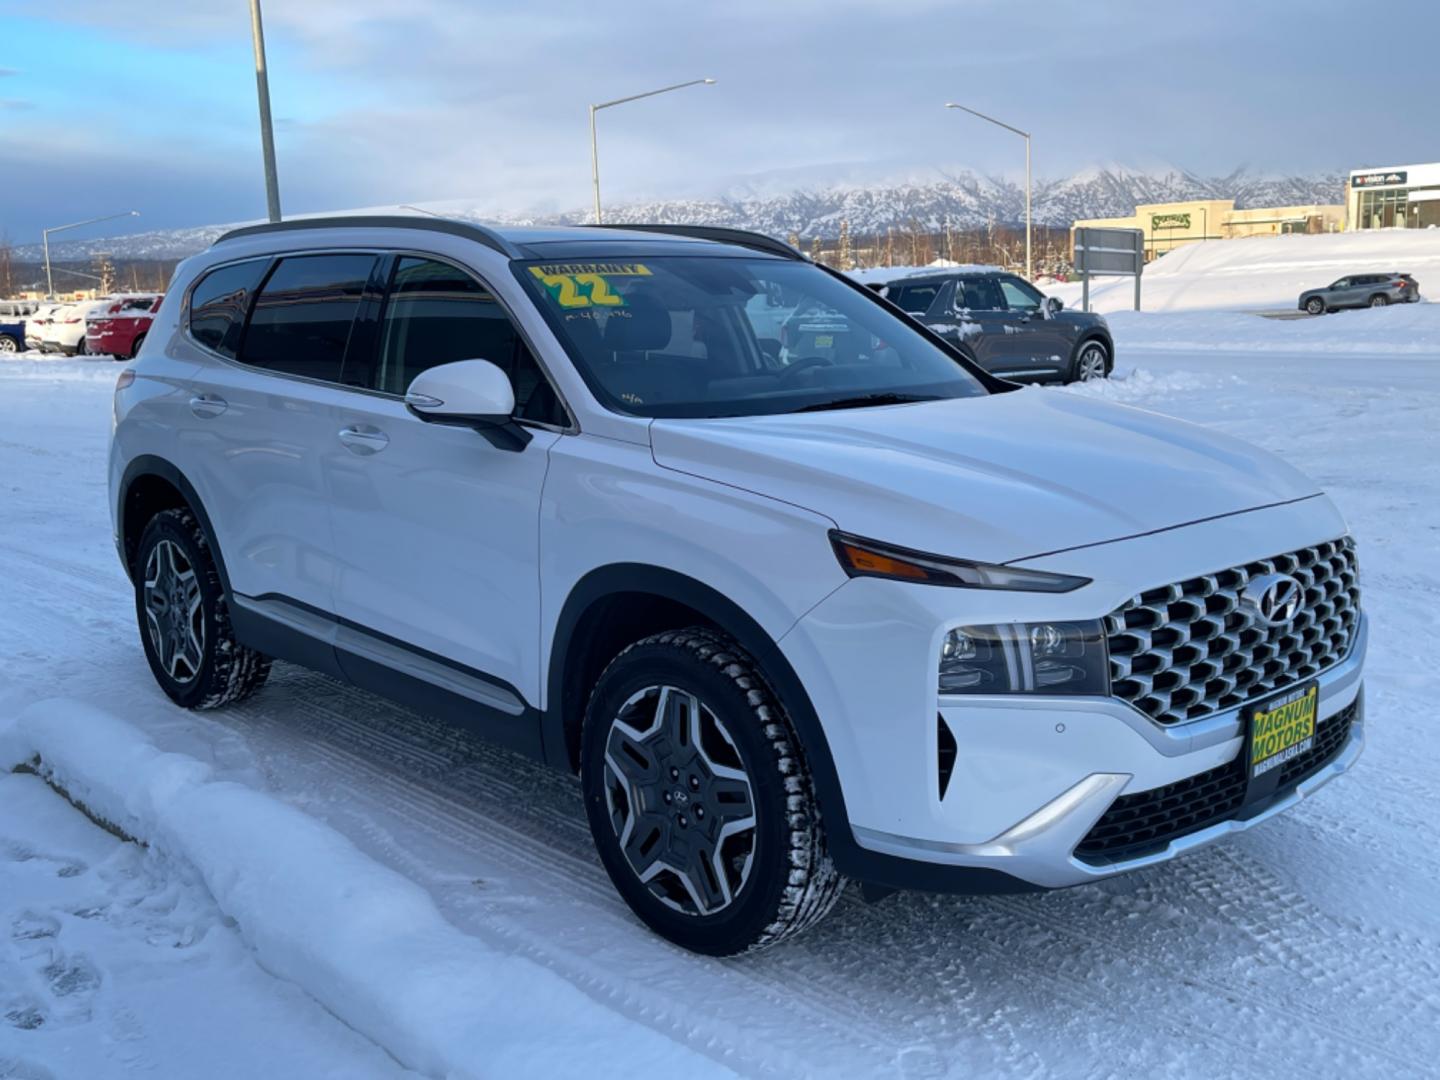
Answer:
x=1025 y=658
x=870 y=558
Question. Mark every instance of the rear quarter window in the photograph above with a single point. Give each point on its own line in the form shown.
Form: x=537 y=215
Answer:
x=219 y=302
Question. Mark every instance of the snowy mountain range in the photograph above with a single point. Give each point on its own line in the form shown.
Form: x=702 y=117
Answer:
x=961 y=199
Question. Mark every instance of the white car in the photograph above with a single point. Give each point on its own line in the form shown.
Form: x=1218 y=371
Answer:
x=856 y=610
x=65 y=333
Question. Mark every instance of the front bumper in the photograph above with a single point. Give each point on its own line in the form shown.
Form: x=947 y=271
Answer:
x=1031 y=774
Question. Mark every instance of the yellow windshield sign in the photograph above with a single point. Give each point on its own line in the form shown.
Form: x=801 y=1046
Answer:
x=583 y=285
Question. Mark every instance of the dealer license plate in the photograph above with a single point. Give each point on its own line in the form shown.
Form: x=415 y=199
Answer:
x=1282 y=728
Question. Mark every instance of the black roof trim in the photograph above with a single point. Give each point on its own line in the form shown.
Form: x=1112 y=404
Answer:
x=739 y=237
x=479 y=233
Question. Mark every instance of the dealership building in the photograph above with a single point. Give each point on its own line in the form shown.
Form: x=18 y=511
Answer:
x=1403 y=197
x=1168 y=226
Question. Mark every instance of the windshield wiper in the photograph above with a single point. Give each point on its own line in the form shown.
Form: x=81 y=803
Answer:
x=864 y=400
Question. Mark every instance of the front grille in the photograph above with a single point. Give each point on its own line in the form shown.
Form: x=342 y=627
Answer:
x=1191 y=649
x=1145 y=822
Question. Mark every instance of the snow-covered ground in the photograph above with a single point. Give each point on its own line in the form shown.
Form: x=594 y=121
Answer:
x=1310 y=946
x=1264 y=273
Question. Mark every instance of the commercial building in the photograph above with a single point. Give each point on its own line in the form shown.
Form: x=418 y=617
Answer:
x=1170 y=225
x=1403 y=197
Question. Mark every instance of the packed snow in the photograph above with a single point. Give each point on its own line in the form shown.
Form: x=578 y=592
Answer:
x=1263 y=272
x=337 y=886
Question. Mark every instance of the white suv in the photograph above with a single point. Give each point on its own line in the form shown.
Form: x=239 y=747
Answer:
x=824 y=605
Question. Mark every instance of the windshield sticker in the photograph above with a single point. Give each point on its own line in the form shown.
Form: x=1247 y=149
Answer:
x=583 y=285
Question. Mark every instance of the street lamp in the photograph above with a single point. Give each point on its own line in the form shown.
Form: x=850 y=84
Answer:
x=45 y=238
x=594 y=151
x=1029 y=266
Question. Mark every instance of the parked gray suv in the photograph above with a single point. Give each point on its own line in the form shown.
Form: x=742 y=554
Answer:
x=1007 y=326
x=1361 y=290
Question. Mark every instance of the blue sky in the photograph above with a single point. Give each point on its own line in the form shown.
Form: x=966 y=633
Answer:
x=106 y=107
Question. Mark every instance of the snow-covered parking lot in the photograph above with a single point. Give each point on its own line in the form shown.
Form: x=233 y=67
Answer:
x=1307 y=947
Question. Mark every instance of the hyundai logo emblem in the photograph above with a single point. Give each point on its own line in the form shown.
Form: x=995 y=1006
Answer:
x=1274 y=599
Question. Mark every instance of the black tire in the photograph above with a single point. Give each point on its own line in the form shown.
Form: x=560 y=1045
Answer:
x=1083 y=364
x=1315 y=306
x=135 y=345
x=1379 y=300
x=9 y=345
x=82 y=349
x=779 y=880
x=225 y=671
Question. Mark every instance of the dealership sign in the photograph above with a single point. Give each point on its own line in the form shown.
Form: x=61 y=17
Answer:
x=1378 y=179
x=1169 y=221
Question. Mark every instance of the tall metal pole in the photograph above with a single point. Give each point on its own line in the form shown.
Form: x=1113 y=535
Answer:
x=45 y=239
x=1029 y=265
x=594 y=147
x=267 y=132
x=595 y=164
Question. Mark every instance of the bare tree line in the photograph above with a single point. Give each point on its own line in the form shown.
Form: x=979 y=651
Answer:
x=915 y=244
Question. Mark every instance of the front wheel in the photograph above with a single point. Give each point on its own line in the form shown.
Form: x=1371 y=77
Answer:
x=1315 y=306
x=185 y=620
x=8 y=344
x=1093 y=362
x=1379 y=300
x=135 y=347
x=699 y=798
x=82 y=349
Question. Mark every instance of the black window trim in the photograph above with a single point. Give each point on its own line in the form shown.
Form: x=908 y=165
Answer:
x=386 y=256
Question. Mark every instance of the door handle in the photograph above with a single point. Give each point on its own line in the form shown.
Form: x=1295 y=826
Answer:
x=208 y=406
x=363 y=439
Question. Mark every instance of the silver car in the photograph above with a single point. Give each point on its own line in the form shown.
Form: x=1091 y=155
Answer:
x=1361 y=290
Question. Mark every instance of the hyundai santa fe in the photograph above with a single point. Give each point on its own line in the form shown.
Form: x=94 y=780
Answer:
x=838 y=607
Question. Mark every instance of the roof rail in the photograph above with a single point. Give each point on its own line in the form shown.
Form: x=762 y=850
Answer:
x=470 y=231
x=719 y=234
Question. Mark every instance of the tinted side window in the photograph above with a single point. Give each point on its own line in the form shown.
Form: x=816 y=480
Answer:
x=436 y=314
x=915 y=299
x=978 y=294
x=1019 y=296
x=218 y=304
x=303 y=315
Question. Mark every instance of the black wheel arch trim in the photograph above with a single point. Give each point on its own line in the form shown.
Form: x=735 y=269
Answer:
x=145 y=465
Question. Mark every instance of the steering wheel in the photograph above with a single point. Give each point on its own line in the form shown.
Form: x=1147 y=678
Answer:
x=805 y=363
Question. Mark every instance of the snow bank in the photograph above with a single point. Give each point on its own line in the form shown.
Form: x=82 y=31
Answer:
x=1264 y=272
x=1409 y=329
x=366 y=942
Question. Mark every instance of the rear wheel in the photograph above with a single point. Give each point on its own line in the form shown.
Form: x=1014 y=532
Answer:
x=8 y=344
x=135 y=347
x=82 y=349
x=1379 y=300
x=1315 y=306
x=185 y=621
x=1091 y=362
x=699 y=799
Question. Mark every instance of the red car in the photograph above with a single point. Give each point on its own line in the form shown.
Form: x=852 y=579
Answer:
x=119 y=330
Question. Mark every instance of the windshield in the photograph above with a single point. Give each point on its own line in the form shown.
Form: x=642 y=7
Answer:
x=688 y=336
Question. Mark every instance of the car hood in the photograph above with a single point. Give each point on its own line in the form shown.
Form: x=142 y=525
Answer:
x=996 y=479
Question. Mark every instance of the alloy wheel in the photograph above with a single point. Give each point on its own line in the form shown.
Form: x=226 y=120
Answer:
x=680 y=800
x=1092 y=363
x=1315 y=307
x=7 y=344
x=174 y=612
x=1378 y=301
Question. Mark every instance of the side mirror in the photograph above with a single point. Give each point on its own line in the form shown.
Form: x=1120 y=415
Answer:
x=1053 y=305
x=468 y=393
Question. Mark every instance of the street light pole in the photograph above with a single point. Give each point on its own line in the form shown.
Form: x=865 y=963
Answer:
x=594 y=145
x=45 y=239
x=1029 y=264
x=267 y=132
